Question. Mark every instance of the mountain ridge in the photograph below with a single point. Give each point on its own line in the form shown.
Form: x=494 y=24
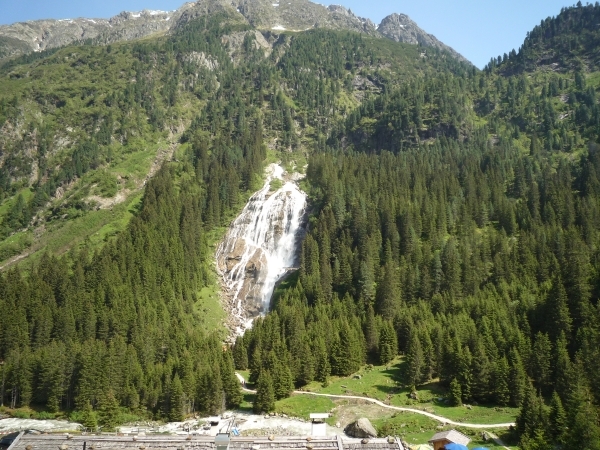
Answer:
x=33 y=36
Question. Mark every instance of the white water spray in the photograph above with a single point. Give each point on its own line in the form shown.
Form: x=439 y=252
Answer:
x=261 y=245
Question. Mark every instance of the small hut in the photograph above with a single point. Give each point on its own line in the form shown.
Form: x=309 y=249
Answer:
x=439 y=440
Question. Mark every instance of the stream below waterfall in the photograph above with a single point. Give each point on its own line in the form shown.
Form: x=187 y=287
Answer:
x=261 y=246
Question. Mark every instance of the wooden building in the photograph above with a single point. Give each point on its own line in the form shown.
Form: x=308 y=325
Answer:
x=196 y=442
x=439 y=440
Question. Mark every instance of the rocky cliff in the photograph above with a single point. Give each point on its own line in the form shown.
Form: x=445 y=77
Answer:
x=400 y=28
x=293 y=15
x=38 y=35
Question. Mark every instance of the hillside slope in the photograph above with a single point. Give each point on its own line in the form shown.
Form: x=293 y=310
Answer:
x=110 y=303
x=454 y=220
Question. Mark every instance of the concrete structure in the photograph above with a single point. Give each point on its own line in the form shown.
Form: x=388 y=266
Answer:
x=319 y=427
x=446 y=437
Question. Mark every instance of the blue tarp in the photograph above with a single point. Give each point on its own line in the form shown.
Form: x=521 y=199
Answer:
x=454 y=446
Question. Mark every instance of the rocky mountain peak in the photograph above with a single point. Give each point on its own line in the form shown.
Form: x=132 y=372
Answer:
x=401 y=28
x=278 y=15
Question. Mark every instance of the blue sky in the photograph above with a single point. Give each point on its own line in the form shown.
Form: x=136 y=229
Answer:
x=479 y=29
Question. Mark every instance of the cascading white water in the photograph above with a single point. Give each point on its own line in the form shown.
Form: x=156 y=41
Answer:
x=260 y=246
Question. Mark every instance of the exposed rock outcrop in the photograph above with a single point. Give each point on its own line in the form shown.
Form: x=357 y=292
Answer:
x=400 y=28
x=296 y=15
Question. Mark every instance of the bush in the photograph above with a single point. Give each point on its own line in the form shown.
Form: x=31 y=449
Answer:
x=276 y=184
x=21 y=414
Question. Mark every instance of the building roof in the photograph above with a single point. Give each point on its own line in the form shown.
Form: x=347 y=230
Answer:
x=194 y=442
x=452 y=436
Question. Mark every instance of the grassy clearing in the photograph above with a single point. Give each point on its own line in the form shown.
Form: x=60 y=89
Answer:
x=383 y=383
x=27 y=193
x=415 y=429
x=412 y=428
x=15 y=244
x=302 y=405
x=208 y=309
x=94 y=228
x=248 y=400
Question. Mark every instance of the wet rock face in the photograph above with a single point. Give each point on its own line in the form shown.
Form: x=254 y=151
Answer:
x=261 y=246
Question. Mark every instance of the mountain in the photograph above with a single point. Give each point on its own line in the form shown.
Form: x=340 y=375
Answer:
x=400 y=28
x=120 y=167
x=563 y=43
x=296 y=15
x=34 y=36
x=453 y=227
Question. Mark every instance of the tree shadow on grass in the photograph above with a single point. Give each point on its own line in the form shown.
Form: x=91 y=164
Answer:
x=398 y=374
x=247 y=402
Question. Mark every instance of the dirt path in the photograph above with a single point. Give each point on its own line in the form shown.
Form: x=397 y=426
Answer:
x=441 y=419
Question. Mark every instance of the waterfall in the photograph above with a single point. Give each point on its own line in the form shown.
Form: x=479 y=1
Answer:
x=261 y=245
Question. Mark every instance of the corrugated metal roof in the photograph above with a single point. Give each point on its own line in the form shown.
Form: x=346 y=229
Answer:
x=452 y=436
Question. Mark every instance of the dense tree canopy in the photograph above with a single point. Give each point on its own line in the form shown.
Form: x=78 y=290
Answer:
x=455 y=219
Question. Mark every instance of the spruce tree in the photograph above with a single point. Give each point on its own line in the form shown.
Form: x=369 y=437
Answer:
x=501 y=382
x=231 y=385
x=532 y=418
x=109 y=413
x=264 y=400
x=89 y=418
x=415 y=360
x=175 y=412
x=455 y=393
x=323 y=367
x=558 y=420
x=388 y=343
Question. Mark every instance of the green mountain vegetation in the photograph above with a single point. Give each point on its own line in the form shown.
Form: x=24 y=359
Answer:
x=104 y=299
x=454 y=219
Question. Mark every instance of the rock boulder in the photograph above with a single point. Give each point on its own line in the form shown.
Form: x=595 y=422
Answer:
x=362 y=428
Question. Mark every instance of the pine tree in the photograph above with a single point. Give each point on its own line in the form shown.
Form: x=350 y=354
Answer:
x=231 y=385
x=175 y=413
x=455 y=393
x=388 y=292
x=582 y=416
x=536 y=442
x=283 y=382
x=388 y=344
x=532 y=419
x=415 y=359
x=541 y=359
x=89 y=418
x=501 y=382
x=323 y=367
x=559 y=320
x=558 y=420
x=264 y=400
x=518 y=379
x=109 y=414
x=240 y=354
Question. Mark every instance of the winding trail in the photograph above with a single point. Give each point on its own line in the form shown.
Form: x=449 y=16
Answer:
x=441 y=419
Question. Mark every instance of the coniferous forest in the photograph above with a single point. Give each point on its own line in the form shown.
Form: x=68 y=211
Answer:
x=454 y=220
